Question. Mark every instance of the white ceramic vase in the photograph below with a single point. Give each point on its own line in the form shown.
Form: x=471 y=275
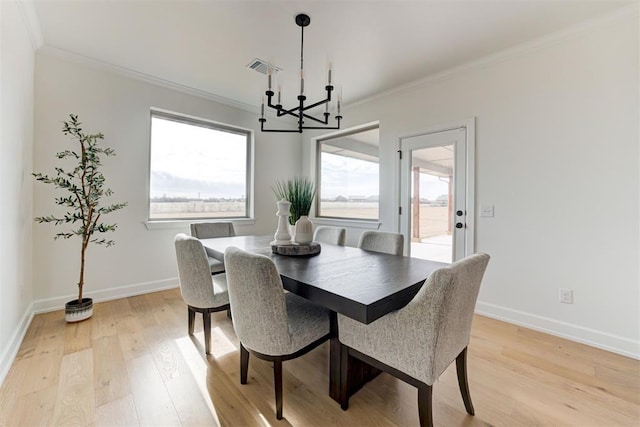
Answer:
x=304 y=231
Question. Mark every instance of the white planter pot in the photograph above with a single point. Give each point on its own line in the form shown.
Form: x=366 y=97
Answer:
x=76 y=312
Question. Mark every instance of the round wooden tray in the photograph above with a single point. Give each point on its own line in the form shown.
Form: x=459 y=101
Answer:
x=295 y=249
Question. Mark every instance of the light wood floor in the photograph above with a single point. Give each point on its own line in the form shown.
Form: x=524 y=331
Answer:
x=134 y=364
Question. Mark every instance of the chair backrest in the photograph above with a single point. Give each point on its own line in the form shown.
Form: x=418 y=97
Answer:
x=451 y=293
x=208 y=230
x=257 y=299
x=196 y=285
x=381 y=241
x=331 y=235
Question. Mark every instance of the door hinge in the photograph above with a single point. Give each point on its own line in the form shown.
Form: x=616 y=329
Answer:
x=399 y=210
x=400 y=154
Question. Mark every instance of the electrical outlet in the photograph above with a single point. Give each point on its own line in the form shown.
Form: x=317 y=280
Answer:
x=566 y=296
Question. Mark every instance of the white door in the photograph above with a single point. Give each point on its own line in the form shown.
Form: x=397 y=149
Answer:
x=436 y=207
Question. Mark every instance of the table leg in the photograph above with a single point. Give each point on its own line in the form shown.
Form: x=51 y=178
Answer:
x=334 y=359
x=358 y=372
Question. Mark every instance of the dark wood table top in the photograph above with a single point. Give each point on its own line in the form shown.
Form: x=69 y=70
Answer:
x=360 y=284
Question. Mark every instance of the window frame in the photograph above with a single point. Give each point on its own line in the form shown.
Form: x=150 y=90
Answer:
x=370 y=223
x=248 y=217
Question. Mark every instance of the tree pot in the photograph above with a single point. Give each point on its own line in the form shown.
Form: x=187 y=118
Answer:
x=75 y=311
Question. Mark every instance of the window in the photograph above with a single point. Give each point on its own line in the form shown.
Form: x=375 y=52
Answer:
x=347 y=167
x=198 y=169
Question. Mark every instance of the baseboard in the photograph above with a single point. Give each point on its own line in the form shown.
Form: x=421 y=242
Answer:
x=594 y=338
x=52 y=304
x=11 y=350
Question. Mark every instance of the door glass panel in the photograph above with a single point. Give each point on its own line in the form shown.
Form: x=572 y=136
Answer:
x=431 y=199
x=436 y=204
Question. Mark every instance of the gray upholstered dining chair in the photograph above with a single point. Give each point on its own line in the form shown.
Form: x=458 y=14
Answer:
x=209 y=230
x=382 y=241
x=331 y=235
x=418 y=342
x=270 y=324
x=202 y=292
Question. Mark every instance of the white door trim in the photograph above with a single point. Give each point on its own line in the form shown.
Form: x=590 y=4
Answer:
x=470 y=126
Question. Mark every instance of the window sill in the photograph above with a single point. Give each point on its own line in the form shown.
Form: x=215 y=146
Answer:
x=350 y=223
x=181 y=223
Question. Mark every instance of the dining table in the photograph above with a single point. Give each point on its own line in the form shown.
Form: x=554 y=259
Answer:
x=356 y=283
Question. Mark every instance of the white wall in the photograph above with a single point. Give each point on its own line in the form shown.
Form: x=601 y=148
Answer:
x=16 y=146
x=557 y=154
x=118 y=105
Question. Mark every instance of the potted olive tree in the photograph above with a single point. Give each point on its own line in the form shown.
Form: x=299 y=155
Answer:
x=84 y=187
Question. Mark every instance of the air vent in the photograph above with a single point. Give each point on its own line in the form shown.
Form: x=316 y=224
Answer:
x=262 y=66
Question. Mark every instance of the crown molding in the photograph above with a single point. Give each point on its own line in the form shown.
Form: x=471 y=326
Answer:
x=147 y=78
x=522 y=49
x=27 y=10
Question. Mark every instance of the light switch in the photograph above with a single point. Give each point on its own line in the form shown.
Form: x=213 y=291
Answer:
x=486 y=210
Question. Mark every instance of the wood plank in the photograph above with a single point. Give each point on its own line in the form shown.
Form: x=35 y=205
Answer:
x=131 y=336
x=110 y=371
x=168 y=360
x=120 y=308
x=75 y=403
x=11 y=390
x=237 y=404
x=77 y=336
x=43 y=372
x=163 y=312
x=225 y=402
x=34 y=409
x=52 y=336
x=103 y=320
x=152 y=401
x=143 y=310
x=175 y=301
x=119 y=412
x=28 y=346
x=191 y=406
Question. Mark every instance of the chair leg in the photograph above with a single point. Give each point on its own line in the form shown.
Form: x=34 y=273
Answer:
x=206 y=320
x=244 y=364
x=277 y=382
x=461 y=369
x=344 y=377
x=191 y=319
x=425 y=408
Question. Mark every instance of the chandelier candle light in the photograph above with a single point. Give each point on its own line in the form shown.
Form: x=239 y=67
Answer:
x=299 y=112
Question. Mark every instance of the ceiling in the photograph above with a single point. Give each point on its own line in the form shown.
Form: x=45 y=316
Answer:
x=374 y=46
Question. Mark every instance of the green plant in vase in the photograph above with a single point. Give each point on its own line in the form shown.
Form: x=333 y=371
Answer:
x=300 y=192
x=84 y=186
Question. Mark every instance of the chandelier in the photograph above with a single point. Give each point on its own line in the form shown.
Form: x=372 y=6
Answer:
x=300 y=111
